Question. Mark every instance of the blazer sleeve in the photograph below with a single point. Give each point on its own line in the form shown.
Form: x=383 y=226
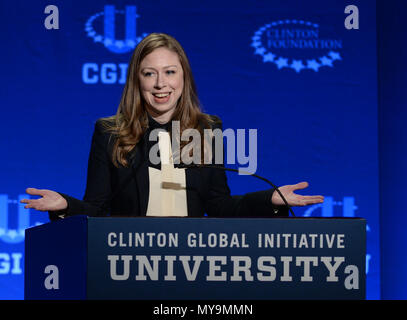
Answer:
x=220 y=202
x=96 y=201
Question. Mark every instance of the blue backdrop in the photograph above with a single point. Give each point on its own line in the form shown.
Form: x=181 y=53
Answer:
x=392 y=50
x=289 y=69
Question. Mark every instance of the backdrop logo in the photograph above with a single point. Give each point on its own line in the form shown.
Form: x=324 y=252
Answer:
x=17 y=234
x=296 y=44
x=328 y=210
x=109 y=26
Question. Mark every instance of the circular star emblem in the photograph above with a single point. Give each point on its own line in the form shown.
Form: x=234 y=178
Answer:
x=297 y=64
x=111 y=42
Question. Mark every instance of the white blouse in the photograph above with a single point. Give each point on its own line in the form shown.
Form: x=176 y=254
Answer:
x=167 y=186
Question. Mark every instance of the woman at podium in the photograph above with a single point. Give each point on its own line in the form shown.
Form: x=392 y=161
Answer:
x=139 y=161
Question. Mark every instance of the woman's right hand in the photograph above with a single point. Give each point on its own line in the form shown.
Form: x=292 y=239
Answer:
x=50 y=201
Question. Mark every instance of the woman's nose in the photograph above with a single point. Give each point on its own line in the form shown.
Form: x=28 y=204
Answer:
x=160 y=82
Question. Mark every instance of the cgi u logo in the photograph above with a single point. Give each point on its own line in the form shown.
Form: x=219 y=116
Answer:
x=348 y=210
x=13 y=235
x=109 y=39
x=327 y=207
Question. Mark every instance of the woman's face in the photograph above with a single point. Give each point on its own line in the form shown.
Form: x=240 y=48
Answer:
x=161 y=81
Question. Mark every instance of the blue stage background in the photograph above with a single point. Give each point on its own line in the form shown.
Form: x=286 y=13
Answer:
x=392 y=52
x=315 y=109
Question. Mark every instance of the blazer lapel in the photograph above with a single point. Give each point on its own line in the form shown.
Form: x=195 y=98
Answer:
x=140 y=172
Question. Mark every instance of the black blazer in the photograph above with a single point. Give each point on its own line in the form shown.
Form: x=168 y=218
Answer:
x=124 y=191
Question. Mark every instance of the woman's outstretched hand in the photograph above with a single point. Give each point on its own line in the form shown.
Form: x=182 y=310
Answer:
x=293 y=199
x=50 y=201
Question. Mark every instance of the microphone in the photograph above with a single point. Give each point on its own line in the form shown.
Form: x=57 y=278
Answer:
x=192 y=166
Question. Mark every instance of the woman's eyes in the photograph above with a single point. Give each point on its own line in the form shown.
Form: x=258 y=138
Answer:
x=150 y=74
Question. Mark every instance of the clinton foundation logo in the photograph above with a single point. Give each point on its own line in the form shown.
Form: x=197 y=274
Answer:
x=296 y=44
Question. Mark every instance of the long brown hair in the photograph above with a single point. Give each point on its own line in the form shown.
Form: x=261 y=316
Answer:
x=131 y=120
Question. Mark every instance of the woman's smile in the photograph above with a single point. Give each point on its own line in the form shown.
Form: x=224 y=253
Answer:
x=162 y=97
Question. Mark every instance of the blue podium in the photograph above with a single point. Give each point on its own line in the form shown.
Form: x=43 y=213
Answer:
x=150 y=258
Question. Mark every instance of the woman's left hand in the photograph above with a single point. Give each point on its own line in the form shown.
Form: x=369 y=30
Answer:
x=294 y=199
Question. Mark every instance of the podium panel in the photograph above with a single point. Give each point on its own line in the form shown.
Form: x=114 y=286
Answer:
x=150 y=258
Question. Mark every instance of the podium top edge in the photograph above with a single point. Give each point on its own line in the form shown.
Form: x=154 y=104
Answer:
x=85 y=220
x=218 y=218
